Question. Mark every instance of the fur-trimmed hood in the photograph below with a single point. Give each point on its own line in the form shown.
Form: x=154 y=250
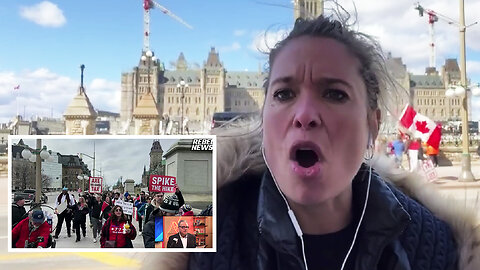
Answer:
x=239 y=152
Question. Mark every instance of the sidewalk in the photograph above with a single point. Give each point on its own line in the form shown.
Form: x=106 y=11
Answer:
x=448 y=176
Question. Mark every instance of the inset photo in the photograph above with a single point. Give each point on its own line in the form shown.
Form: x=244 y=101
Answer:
x=76 y=193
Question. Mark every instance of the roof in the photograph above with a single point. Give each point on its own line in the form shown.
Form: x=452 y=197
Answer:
x=427 y=81
x=451 y=65
x=396 y=67
x=106 y=113
x=245 y=79
x=213 y=59
x=146 y=106
x=81 y=106
x=175 y=76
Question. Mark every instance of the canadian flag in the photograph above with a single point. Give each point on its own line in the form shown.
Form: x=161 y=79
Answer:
x=421 y=126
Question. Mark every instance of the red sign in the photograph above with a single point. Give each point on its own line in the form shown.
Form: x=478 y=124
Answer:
x=96 y=184
x=162 y=183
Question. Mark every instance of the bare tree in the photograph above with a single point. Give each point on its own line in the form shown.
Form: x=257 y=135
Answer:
x=46 y=181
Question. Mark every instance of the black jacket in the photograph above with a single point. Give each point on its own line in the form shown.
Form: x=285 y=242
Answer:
x=175 y=242
x=149 y=229
x=396 y=233
x=79 y=215
x=96 y=208
x=18 y=213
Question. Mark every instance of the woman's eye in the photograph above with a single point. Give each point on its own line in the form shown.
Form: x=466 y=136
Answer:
x=284 y=94
x=336 y=95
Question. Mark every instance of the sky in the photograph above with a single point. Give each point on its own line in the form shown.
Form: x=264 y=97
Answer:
x=114 y=157
x=45 y=42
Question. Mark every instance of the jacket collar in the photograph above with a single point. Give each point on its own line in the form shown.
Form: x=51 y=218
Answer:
x=384 y=219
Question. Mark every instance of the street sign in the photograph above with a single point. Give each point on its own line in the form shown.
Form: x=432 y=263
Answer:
x=96 y=184
x=162 y=183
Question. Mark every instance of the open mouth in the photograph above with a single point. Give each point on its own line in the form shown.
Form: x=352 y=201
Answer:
x=306 y=158
x=306 y=154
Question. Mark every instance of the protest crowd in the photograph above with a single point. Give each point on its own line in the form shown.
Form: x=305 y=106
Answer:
x=110 y=215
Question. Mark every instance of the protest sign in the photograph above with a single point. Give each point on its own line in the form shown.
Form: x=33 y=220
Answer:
x=95 y=184
x=126 y=206
x=162 y=183
x=429 y=169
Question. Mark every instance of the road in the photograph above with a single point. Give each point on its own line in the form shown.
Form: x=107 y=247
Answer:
x=467 y=193
x=69 y=242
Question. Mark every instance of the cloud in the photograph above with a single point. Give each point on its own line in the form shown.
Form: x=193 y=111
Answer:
x=45 y=14
x=37 y=87
x=239 y=32
x=235 y=46
x=264 y=41
x=473 y=69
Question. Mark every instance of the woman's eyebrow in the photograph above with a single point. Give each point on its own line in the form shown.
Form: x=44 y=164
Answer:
x=284 y=79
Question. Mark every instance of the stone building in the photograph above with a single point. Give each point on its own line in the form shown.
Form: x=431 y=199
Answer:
x=307 y=8
x=429 y=96
x=156 y=163
x=72 y=166
x=206 y=90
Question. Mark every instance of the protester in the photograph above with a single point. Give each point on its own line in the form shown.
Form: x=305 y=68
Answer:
x=106 y=210
x=398 y=149
x=118 y=231
x=154 y=204
x=182 y=239
x=169 y=207
x=29 y=231
x=413 y=147
x=96 y=220
x=65 y=201
x=140 y=205
x=80 y=212
x=299 y=192
x=18 y=209
x=128 y=198
x=432 y=154
x=186 y=210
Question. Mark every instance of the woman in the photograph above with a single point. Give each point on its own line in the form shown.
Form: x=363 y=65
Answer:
x=299 y=193
x=80 y=212
x=118 y=231
x=106 y=209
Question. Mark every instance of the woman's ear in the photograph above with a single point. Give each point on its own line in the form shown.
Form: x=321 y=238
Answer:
x=374 y=123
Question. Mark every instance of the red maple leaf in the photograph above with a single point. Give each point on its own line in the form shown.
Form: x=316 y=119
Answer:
x=422 y=126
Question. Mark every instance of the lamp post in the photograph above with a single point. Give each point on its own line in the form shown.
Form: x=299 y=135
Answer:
x=36 y=155
x=461 y=90
x=148 y=58
x=83 y=178
x=83 y=154
x=182 y=86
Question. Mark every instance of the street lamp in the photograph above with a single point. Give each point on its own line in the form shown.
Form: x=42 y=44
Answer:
x=83 y=178
x=461 y=90
x=36 y=155
x=150 y=57
x=182 y=85
x=80 y=155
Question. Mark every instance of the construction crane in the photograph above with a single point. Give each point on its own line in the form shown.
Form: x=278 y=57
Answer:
x=150 y=4
x=433 y=17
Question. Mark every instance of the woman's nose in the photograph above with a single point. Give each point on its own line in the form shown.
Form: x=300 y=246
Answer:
x=307 y=115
